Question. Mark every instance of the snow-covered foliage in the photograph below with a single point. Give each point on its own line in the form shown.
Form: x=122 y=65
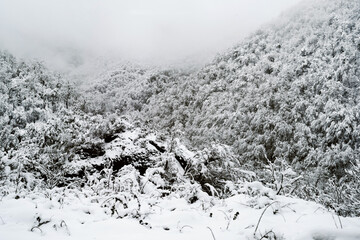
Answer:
x=279 y=114
x=288 y=94
x=290 y=91
x=257 y=213
x=125 y=88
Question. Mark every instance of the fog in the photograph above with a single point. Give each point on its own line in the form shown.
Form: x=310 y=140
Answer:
x=67 y=33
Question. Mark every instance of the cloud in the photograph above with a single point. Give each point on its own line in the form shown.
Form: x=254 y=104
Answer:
x=156 y=31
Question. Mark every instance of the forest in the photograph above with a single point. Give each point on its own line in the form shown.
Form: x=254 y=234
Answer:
x=276 y=116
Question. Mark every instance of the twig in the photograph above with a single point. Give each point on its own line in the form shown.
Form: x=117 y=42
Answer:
x=143 y=186
x=318 y=209
x=212 y=189
x=283 y=217
x=184 y=227
x=281 y=184
x=63 y=223
x=250 y=226
x=341 y=226
x=332 y=215
x=227 y=218
x=107 y=200
x=212 y=233
x=257 y=225
x=43 y=223
x=287 y=205
x=300 y=217
x=2 y=220
x=36 y=227
x=266 y=234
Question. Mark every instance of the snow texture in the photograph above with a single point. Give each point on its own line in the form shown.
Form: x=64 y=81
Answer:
x=71 y=214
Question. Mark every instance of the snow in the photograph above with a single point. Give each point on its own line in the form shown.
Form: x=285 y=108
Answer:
x=74 y=214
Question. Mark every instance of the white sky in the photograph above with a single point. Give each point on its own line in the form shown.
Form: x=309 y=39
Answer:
x=149 y=30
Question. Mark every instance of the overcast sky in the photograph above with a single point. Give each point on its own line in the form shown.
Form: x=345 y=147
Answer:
x=149 y=30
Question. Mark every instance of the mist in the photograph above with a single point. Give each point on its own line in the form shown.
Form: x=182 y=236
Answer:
x=68 y=33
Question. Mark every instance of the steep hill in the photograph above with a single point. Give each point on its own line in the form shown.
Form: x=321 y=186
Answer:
x=288 y=94
x=51 y=136
x=285 y=103
x=289 y=91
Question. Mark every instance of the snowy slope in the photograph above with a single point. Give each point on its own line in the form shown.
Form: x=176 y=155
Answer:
x=70 y=214
x=139 y=190
x=285 y=99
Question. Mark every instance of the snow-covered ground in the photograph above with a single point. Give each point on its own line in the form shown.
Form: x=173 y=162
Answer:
x=159 y=204
x=72 y=214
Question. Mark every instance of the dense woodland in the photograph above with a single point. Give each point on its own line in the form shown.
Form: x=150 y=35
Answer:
x=282 y=107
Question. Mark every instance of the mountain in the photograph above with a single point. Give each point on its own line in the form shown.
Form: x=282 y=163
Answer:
x=289 y=91
x=288 y=94
x=278 y=114
x=50 y=134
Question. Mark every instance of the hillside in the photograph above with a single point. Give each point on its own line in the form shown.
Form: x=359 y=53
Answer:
x=295 y=78
x=242 y=148
x=78 y=176
x=288 y=94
